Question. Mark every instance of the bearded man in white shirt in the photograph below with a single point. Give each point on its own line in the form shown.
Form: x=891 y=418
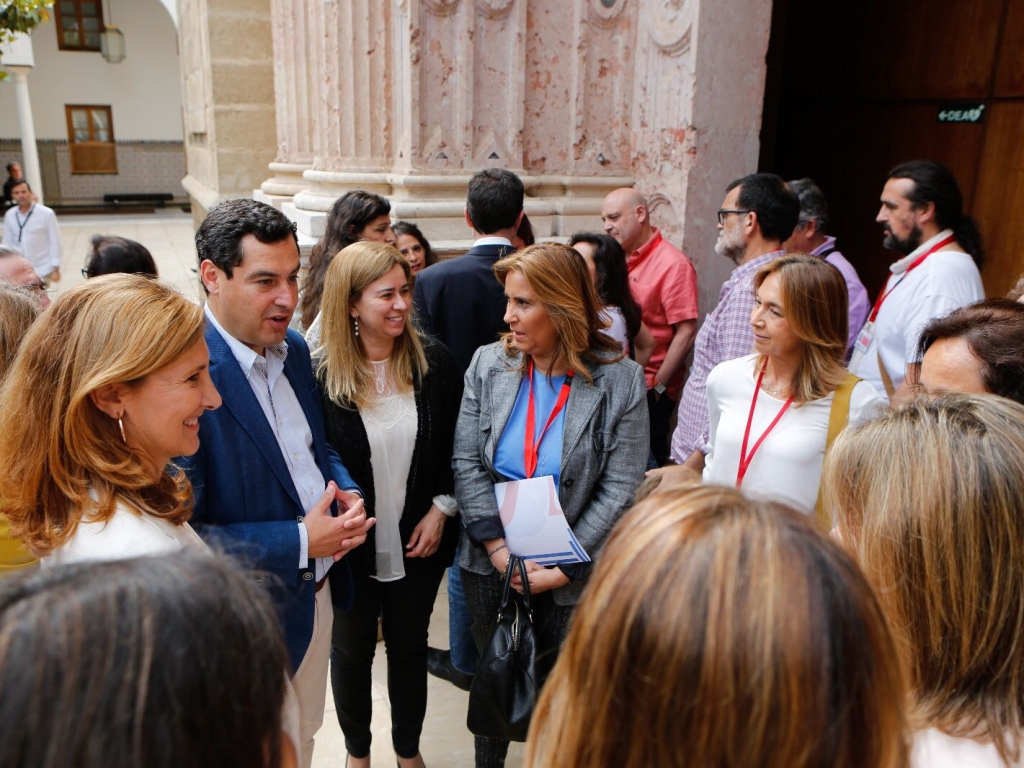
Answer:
x=940 y=247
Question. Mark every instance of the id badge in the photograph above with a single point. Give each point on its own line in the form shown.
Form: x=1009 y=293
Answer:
x=860 y=347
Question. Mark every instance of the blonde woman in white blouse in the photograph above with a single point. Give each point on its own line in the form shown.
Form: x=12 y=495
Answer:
x=769 y=412
x=391 y=399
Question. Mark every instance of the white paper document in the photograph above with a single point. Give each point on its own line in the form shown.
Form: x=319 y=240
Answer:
x=535 y=527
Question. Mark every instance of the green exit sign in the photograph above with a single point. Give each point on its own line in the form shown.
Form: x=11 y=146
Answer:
x=961 y=113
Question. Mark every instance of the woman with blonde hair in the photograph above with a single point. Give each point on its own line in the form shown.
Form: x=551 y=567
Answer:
x=558 y=372
x=721 y=630
x=19 y=308
x=391 y=398
x=109 y=385
x=773 y=413
x=929 y=500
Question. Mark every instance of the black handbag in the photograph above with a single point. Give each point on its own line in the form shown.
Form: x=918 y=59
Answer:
x=505 y=687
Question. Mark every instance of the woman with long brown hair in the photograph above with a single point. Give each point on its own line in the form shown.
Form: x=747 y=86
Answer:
x=722 y=631
x=929 y=500
x=770 y=412
x=554 y=367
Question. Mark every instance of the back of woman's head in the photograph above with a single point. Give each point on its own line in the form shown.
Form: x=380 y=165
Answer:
x=929 y=497
x=19 y=308
x=347 y=218
x=346 y=373
x=722 y=631
x=55 y=444
x=111 y=254
x=159 y=662
x=558 y=278
x=612 y=279
x=815 y=298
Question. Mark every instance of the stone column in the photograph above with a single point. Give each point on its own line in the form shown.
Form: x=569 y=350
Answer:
x=699 y=93
x=29 y=153
x=295 y=78
x=417 y=95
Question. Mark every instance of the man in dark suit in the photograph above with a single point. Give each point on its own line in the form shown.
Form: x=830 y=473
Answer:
x=461 y=302
x=266 y=483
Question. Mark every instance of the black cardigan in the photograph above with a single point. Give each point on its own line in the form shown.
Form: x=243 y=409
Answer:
x=438 y=398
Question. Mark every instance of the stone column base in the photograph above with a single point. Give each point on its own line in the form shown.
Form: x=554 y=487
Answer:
x=557 y=206
x=280 y=188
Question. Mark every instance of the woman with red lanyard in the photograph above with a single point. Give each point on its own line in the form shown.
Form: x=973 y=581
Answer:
x=770 y=412
x=554 y=397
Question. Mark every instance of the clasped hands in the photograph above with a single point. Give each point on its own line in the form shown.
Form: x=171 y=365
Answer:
x=335 y=537
x=539 y=578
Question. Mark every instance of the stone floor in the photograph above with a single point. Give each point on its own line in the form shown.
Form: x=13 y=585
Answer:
x=446 y=741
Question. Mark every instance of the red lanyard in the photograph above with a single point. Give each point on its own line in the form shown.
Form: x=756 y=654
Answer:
x=530 y=447
x=913 y=265
x=745 y=459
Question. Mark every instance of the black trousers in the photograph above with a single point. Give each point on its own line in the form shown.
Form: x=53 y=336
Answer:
x=404 y=607
x=551 y=625
x=659 y=409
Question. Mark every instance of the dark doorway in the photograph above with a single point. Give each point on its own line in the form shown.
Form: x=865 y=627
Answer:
x=855 y=88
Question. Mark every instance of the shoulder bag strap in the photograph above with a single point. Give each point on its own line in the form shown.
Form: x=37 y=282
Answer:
x=838 y=417
x=890 y=390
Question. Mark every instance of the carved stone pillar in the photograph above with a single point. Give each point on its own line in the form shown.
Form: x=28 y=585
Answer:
x=295 y=89
x=417 y=95
x=698 y=94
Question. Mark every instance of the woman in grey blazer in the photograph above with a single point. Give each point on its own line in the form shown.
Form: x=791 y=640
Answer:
x=590 y=433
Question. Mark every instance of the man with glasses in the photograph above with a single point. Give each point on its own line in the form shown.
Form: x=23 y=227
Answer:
x=16 y=270
x=758 y=214
x=31 y=227
x=664 y=284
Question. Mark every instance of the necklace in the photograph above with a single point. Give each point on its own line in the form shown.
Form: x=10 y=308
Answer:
x=774 y=392
x=380 y=376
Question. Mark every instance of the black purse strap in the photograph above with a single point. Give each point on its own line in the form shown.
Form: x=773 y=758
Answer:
x=507 y=592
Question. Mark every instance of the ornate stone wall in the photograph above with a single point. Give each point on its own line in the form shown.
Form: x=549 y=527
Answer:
x=409 y=98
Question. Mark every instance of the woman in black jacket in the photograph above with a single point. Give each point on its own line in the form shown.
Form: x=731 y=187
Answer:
x=391 y=399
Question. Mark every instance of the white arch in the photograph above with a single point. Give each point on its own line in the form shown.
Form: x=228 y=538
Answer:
x=172 y=9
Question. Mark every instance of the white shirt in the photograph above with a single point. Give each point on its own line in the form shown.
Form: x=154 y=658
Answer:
x=618 y=330
x=943 y=282
x=127 y=534
x=787 y=466
x=934 y=749
x=36 y=235
x=288 y=421
x=391 y=424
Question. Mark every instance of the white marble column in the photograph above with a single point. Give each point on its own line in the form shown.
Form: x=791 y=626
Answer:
x=29 y=153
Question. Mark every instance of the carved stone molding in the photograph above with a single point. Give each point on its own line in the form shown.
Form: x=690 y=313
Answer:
x=441 y=7
x=670 y=23
x=495 y=9
x=606 y=13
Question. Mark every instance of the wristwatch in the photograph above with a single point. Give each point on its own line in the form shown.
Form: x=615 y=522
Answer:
x=659 y=388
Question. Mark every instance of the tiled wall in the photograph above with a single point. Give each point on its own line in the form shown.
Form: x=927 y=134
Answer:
x=142 y=167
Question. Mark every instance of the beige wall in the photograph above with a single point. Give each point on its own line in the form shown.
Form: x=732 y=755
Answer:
x=143 y=91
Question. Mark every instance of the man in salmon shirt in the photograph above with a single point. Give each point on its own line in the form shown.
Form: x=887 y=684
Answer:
x=664 y=284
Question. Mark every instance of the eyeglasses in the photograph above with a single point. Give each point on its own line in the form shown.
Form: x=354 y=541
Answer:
x=85 y=273
x=723 y=212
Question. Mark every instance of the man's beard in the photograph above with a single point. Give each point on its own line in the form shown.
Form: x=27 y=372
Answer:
x=735 y=251
x=905 y=246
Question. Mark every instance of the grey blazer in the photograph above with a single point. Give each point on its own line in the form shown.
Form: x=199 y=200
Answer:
x=605 y=441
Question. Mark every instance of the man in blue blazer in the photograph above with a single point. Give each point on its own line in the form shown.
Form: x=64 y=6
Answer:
x=267 y=486
x=461 y=302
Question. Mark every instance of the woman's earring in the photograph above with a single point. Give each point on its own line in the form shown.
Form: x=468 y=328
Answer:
x=120 y=426
x=355 y=325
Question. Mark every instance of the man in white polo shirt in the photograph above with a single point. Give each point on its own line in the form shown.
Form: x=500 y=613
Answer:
x=922 y=215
